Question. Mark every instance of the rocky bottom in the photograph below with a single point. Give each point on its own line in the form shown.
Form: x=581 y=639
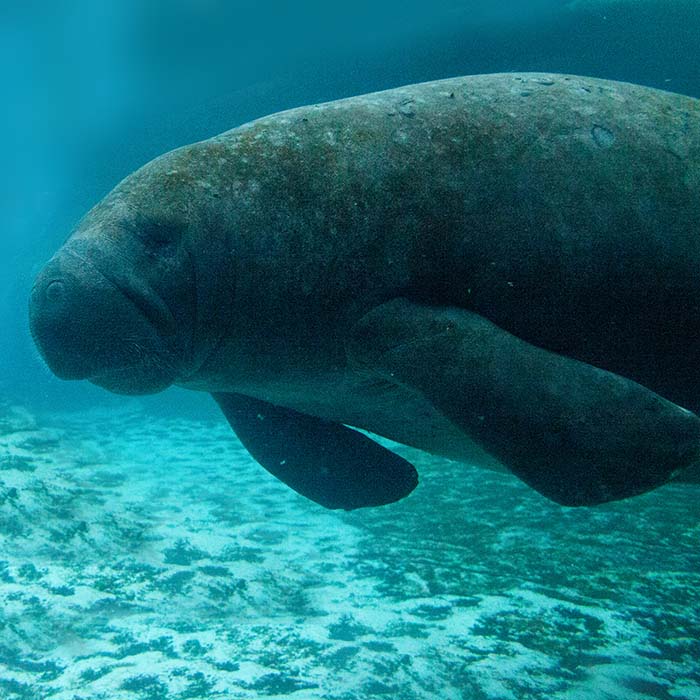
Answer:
x=151 y=559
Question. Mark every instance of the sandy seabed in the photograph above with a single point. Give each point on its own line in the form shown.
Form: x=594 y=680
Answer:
x=151 y=559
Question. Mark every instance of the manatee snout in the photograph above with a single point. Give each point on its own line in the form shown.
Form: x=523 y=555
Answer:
x=87 y=326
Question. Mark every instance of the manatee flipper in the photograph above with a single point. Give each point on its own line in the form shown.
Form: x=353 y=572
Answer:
x=577 y=434
x=328 y=463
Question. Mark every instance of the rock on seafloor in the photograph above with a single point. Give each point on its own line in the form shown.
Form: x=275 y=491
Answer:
x=146 y=558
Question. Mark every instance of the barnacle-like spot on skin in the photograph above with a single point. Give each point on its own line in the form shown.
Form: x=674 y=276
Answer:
x=604 y=138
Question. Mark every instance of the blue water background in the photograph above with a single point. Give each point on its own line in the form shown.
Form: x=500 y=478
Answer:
x=95 y=89
x=139 y=541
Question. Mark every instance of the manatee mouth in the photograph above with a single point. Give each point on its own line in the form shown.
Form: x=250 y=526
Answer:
x=105 y=327
x=147 y=378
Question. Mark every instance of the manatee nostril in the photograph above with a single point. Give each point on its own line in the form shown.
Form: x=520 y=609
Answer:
x=55 y=291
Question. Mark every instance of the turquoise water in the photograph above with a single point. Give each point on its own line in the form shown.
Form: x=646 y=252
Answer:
x=150 y=558
x=144 y=555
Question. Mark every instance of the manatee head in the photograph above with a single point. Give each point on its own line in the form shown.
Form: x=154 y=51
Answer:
x=130 y=301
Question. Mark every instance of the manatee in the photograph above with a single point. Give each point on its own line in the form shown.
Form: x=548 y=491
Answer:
x=502 y=269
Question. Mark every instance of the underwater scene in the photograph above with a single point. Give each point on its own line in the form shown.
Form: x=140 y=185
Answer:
x=491 y=278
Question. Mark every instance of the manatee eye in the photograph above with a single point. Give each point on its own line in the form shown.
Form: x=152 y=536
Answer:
x=159 y=238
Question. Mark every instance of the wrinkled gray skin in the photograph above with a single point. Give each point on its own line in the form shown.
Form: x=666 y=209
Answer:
x=565 y=210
